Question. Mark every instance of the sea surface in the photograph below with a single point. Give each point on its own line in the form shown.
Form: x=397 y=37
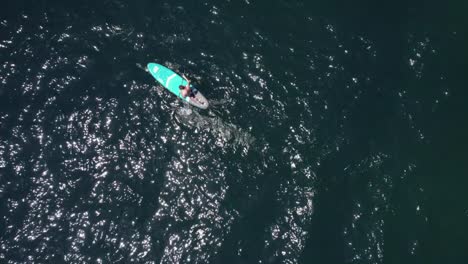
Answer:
x=337 y=132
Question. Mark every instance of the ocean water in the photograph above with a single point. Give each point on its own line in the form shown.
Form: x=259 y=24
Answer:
x=336 y=133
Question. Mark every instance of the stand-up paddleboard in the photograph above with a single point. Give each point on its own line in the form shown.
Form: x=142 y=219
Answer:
x=171 y=81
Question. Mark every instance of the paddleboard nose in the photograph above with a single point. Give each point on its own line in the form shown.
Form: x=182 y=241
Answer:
x=152 y=67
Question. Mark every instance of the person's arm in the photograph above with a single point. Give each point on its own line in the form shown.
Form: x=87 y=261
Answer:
x=188 y=81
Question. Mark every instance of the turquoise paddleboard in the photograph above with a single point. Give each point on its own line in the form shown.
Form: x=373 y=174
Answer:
x=171 y=81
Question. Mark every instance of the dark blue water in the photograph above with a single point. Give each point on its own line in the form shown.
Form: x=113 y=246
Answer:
x=336 y=133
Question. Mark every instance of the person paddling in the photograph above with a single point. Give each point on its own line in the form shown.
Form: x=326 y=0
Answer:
x=189 y=91
x=186 y=90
